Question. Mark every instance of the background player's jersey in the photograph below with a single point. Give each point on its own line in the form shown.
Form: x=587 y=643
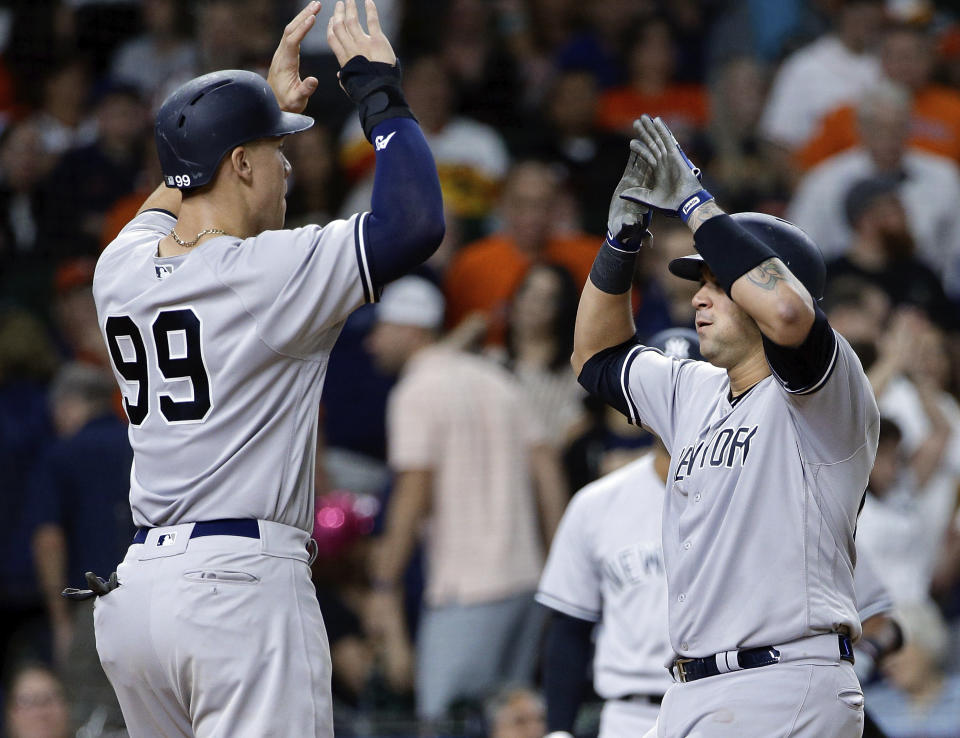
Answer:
x=762 y=500
x=220 y=354
x=606 y=566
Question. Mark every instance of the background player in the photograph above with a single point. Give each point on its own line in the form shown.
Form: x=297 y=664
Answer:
x=771 y=448
x=219 y=326
x=604 y=580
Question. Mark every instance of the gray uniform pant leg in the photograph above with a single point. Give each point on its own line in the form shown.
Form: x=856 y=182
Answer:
x=800 y=700
x=620 y=718
x=466 y=651
x=220 y=640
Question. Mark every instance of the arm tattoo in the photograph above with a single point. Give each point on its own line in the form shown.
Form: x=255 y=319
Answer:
x=767 y=275
x=702 y=214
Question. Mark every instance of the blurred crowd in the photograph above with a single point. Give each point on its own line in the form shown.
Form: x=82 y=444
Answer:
x=841 y=115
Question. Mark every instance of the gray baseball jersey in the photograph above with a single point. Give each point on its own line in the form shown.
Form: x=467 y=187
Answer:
x=606 y=566
x=762 y=499
x=221 y=354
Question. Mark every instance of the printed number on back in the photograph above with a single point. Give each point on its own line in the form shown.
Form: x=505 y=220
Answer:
x=176 y=338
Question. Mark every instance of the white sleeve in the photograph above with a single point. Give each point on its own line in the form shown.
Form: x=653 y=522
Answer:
x=571 y=579
x=872 y=596
x=839 y=414
x=298 y=284
x=785 y=120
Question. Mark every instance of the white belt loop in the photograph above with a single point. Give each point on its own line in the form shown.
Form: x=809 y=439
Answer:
x=727 y=662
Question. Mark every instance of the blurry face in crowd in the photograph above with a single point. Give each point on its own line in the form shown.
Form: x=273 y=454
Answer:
x=23 y=159
x=159 y=16
x=121 y=120
x=859 y=24
x=887 y=219
x=522 y=716
x=652 y=55
x=573 y=105
x=741 y=92
x=428 y=91
x=863 y=322
x=528 y=204
x=727 y=334
x=37 y=707
x=392 y=344
x=535 y=303
x=884 y=130
x=310 y=152
x=907 y=57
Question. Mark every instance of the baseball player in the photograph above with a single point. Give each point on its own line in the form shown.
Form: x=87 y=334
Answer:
x=771 y=445
x=604 y=580
x=219 y=324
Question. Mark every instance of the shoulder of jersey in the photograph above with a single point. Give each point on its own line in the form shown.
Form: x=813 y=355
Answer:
x=615 y=480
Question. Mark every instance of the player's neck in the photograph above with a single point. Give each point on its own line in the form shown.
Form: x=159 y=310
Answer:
x=746 y=373
x=197 y=215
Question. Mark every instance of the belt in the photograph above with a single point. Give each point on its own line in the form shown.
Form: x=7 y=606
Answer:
x=689 y=670
x=650 y=699
x=245 y=527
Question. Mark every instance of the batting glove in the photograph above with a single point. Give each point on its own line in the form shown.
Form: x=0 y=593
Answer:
x=628 y=219
x=675 y=187
x=98 y=587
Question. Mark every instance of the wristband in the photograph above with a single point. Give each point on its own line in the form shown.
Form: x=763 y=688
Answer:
x=701 y=197
x=612 y=270
x=375 y=88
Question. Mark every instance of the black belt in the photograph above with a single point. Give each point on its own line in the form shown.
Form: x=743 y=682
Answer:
x=650 y=699
x=689 y=670
x=245 y=527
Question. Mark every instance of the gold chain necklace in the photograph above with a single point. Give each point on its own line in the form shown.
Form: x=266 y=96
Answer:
x=200 y=235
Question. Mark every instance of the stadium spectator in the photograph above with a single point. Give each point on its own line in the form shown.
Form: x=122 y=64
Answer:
x=538 y=345
x=664 y=302
x=162 y=51
x=35 y=704
x=484 y=275
x=907 y=58
x=81 y=522
x=598 y=45
x=567 y=133
x=929 y=185
x=62 y=113
x=89 y=179
x=27 y=362
x=810 y=82
x=75 y=314
x=741 y=176
x=882 y=251
x=652 y=87
x=516 y=712
x=314 y=192
x=24 y=163
x=471 y=461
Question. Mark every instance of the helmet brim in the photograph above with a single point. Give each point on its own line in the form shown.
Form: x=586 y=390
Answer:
x=687 y=267
x=291 y=123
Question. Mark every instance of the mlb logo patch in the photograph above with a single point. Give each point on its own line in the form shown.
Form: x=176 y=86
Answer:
x=163 y=270
x=167 y=539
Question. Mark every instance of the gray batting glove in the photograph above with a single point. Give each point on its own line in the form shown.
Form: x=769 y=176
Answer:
x=675 y=186
x=628 y=220
x=98 y=587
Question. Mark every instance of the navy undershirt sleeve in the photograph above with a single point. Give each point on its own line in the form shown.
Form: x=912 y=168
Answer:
x=600 y=375
x=406 y=223
x=804 y=368
x=568 y=650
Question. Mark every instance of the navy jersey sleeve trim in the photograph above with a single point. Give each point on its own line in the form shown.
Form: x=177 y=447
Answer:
x=370 y=294
x=606 y=375
x=806 y=368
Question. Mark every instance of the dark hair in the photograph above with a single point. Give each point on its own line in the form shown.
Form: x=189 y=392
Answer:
x=889 y=431
x=564 y=317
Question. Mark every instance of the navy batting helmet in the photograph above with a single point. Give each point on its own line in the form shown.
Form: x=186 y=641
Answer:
x=208 y=116
x=679 y=343
x=791 y=245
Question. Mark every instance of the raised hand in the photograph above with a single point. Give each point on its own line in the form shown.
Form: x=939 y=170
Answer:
x=674 y=179
x=284 y=75
x=347 y=38
x=628 y=220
